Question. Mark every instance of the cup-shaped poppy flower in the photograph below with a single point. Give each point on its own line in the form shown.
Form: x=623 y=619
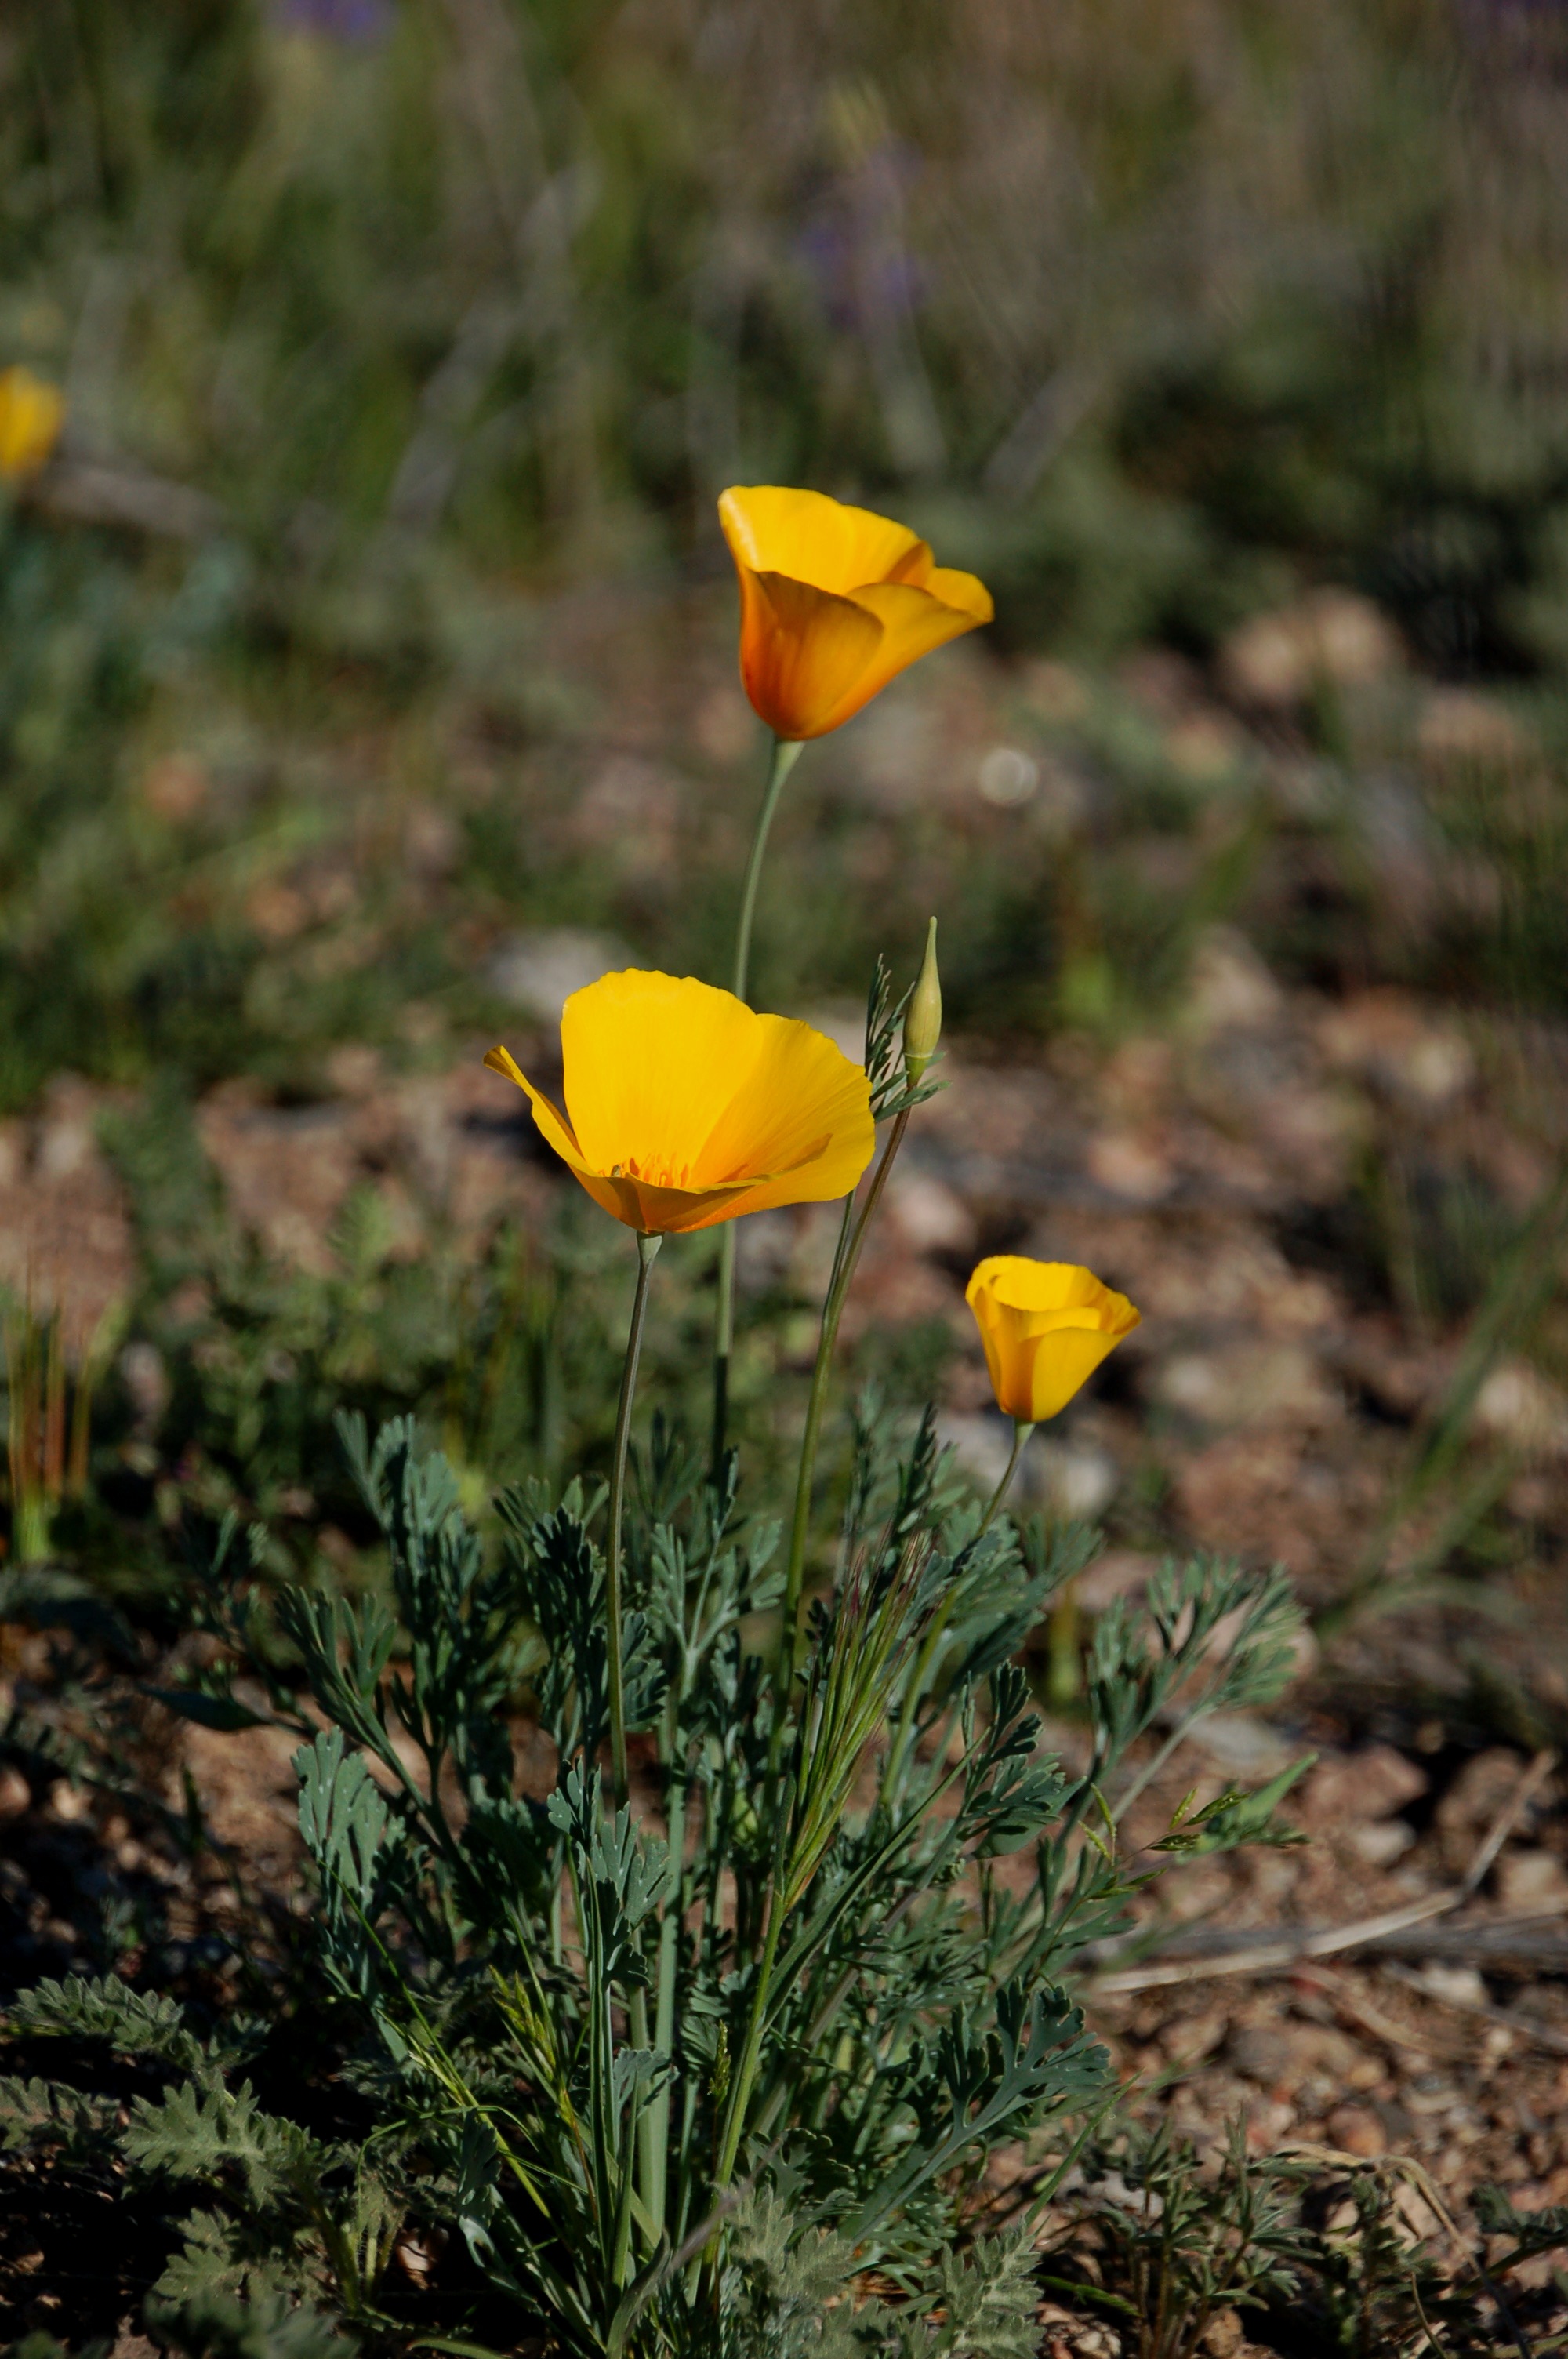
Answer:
x=835 y=601
x=1046 y=1326
x=684 y=1107
x=31 y=415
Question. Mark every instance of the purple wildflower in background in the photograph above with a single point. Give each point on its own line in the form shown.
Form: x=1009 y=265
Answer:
x=339 y=20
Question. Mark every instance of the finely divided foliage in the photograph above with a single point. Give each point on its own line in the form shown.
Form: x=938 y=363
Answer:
x=547 y=2003
x=716 y=2071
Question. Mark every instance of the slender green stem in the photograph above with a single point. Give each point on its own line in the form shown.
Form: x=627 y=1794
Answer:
x=654 y=2125
x=786 y=754
x=1021 y=1433
x=848 y=1254
x=647 y=1251
x=746 y=2071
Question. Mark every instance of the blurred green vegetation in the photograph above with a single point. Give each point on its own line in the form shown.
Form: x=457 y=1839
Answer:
x=453 y=311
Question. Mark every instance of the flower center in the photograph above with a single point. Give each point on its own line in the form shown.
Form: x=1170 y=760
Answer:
x=652 y=1172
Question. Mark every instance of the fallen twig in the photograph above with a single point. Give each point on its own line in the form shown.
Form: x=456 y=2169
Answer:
x=93 y=491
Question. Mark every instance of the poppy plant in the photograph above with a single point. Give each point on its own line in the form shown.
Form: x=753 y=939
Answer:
x=684 y=1107
x=835 y=601
x=1046 y=1326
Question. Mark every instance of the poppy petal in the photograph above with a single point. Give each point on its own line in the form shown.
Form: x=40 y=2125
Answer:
x=547 y=1121
x=913 y=624
x=818 y=540
x=805 y=652
x=687 y=1107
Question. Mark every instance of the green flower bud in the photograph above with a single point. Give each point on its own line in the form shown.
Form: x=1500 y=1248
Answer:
x=923 y=1023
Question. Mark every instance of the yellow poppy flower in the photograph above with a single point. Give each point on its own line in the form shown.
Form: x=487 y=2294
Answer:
x=1046 y=1326
x=834 y=604
x=31 y=415
x=684 y=1107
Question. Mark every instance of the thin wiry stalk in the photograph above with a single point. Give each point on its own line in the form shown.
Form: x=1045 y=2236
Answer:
x=851 y=1239
x=647 y=1251
x=782 y=760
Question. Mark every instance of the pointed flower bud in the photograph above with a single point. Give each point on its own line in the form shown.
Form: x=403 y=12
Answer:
x=923 y=1024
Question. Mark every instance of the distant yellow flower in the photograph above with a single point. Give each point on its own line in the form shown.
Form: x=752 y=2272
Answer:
x=835 y=601
x=684 y=1108
x=1046 y=1326
x=31 y=415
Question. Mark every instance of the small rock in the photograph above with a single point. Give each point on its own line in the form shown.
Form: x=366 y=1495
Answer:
x=1357 y=2130
x=537 y=971
x=1530 y=1880
x=277 y=911
x=417 y=2254
x=1243 y=1744
x=129 y=2344
x=844 y=1023
x=1076 y=1478
x=1206 y=747
x=1359 y=1788
x=1276 y=660
x=1120 y=1572
x=1460 y=1985
x=1473 y=1801
x=146 y=1380
x=176 y=787
x=1418 y=2223
x=1459 y=726
x=981 y=1445
x=1129 y=1167
x=67 y=1143
x=68 y=1802
x=930 y=1217
x=1391 y=1040
x=1260 y=2053
x=355 y=1069
x=1224 y=2337
x=1245 y=1384
x=1229 y=987
x=1517 y=1405
x=1383 y=1841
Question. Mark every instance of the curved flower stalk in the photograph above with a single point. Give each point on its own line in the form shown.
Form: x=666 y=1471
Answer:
x=898 y=1085
x=834 y=603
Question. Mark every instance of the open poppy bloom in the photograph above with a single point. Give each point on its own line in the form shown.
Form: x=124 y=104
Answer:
x=1046 y=1326
x=835 y=601
x=31 y=415
x=684 y=1107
